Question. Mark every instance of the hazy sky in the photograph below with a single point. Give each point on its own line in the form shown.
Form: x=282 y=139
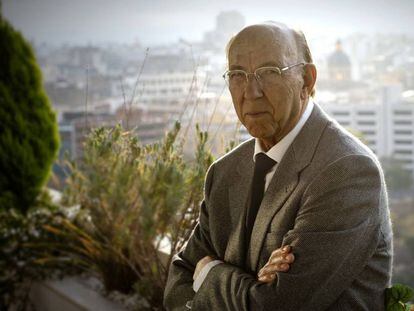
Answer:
x=157 y=21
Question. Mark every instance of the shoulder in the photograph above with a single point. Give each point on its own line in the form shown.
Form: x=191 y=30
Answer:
x=240 y=154
x=342 y=160
x=226 y=167
x=340 y=156
x=337 y=147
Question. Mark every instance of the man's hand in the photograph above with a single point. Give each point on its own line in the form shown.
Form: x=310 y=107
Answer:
x=200 y=265
x=279 y=261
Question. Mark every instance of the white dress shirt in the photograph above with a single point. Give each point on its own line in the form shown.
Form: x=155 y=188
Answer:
x=276 y=153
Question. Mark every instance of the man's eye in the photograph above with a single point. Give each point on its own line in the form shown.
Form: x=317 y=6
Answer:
x=268 y=72
x=236 y=75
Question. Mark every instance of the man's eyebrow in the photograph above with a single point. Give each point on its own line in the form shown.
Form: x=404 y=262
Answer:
x=236 y=67
x=265 y=64
x=269 y=64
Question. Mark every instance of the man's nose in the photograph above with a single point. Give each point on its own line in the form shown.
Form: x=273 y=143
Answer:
x=253 y=89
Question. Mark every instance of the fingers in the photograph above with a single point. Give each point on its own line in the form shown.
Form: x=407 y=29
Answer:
x=283 y=250
x=281 y=255
x=268 y=278
x=279 y=261
x=273 y=268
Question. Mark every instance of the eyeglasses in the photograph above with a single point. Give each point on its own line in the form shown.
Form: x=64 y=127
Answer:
x=265 y=76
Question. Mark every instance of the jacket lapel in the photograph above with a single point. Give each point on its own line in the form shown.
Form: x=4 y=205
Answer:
x=239 y=193
x=286 y=178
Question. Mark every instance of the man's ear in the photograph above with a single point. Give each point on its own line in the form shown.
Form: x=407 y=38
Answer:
x=309 y=80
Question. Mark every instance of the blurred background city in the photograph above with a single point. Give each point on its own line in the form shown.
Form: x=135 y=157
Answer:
x=146 y=64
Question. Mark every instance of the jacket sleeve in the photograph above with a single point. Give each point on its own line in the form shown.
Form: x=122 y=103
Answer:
x=336 y=232
x=178 y=290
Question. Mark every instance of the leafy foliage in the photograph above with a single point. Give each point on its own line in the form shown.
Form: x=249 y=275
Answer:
x=27 y=251
x=397 y=298
x=28 y=130
x=135 y=202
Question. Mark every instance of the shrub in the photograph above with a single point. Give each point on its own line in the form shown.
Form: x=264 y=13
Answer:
x=28 y=130
x=397 y=298
x=134 y=201
x=27 y=251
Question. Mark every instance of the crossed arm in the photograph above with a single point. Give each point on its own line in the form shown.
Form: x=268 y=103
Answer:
x=279 y=261
x=335 y=234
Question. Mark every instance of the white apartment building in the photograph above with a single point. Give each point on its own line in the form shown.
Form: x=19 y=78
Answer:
x=387 y=125
x=165 y=87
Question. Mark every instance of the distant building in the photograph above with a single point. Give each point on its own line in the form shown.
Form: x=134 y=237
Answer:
x=149 y=124
x=339 y=65
x=336 y=74
x=228 y=23
x=166 y=88
x=386 y=125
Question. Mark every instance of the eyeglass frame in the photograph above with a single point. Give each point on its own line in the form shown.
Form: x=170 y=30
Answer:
x=280 y=71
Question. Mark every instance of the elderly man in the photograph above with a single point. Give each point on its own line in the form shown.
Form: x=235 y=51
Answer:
x=295 y=218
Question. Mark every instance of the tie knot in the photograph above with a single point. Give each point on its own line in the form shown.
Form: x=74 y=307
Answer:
x=263 y=163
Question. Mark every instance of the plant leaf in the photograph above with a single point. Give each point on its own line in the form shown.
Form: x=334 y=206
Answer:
x=402 y=292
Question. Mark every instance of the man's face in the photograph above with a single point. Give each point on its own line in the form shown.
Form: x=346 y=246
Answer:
x=268 y=113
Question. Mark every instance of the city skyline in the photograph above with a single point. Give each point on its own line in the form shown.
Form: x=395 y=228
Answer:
x=162 y=22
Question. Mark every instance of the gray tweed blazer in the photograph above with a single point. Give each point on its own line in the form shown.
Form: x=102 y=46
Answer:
x=327 y=199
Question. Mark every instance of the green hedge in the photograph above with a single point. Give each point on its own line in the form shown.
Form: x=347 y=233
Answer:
x=29 y=138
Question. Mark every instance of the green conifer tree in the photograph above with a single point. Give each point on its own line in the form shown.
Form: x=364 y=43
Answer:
x=29 y=137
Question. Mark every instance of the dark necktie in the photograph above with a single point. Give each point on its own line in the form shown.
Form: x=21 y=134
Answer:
x=261 y=167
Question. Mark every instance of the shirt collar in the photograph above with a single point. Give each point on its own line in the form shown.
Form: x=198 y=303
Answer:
x=278 y=151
